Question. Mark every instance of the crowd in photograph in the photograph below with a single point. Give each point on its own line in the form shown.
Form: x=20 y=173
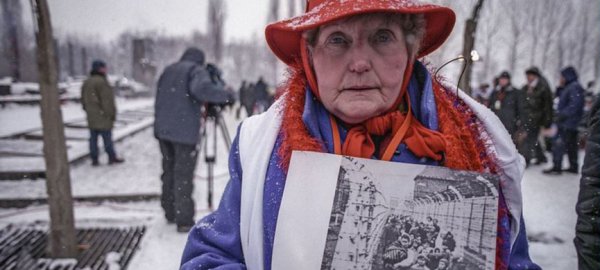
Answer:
x=410 y=244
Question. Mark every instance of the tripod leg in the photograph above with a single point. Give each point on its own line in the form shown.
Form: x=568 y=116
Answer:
x=210 y=186
x=202 y=139
x=225 y=133
x=211 y=158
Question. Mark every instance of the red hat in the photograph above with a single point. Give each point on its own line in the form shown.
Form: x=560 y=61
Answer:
x=284 y=36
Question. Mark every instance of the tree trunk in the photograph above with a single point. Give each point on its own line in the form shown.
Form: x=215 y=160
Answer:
x=273 y=17
x=11 y=18
x=84 y=61
x=291 y=8
x=61 y=241
x=469 y=41
x=468 y=45
x=217 y=23
x=584 y=41
x=71 y=55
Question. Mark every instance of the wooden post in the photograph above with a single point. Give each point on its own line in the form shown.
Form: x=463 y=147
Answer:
x=61 y=240
x=468 y=45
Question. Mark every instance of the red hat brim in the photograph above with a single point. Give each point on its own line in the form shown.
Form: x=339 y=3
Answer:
x=284 y=36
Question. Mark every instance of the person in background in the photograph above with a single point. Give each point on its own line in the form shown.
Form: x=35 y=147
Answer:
x=98 y=100
x=591 y=88
x=587 y=230
x=590 y=98
x=183 y=88
x=242 y=92
x=537 y=114
x=262 y=98
x=568 y=116
x=506 y=102
x=483 y=93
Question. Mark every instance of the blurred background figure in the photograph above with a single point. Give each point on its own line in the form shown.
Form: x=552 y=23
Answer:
x=262 y=98
x=507 y=104
x=98 y=101
x=182 y=90
x=242 y=96
x=483 y=93
x=569 y=114
x=537 y=114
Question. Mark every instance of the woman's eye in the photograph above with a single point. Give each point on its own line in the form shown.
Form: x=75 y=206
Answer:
x=383 y=36
x=337 y=39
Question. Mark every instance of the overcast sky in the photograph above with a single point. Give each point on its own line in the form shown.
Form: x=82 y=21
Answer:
x=108 y=18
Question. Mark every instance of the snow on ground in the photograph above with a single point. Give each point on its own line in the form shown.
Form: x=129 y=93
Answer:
x=16 y=119
x=549 y=203
x=162 y=246
x=549 y=210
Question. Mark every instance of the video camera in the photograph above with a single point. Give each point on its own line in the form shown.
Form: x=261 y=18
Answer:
x=215 y=74
x=216 y=77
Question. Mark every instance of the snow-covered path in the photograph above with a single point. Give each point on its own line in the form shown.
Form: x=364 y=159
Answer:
x=16 y=119
x=549 y=209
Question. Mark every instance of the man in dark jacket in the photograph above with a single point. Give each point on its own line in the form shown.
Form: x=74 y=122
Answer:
x=537 y=113
x=587 y=230
x=507 y=104
x=98 y=102
x=183 y=88
x=569 y=114
x=262 y=98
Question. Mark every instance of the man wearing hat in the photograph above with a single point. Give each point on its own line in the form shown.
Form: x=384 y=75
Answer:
x=98 y=101
x=507 y=104
x=537 y=113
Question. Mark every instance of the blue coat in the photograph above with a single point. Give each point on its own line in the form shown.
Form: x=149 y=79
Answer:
x=570 y=104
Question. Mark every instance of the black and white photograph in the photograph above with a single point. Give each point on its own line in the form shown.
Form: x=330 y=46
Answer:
x=441 y=219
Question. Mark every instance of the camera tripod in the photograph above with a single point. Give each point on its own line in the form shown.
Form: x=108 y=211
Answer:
x=208 y=140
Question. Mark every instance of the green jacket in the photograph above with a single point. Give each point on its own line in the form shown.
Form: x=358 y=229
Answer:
x=98 y=102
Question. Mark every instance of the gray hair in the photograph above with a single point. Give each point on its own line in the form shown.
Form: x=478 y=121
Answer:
x=413 y=27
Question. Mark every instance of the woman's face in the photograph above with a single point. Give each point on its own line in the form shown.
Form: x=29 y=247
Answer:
x=359 y=66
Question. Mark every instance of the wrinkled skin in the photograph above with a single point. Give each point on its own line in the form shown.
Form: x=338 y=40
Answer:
x=359 y=67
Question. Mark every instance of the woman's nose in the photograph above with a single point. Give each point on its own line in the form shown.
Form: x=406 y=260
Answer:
x=359 y=62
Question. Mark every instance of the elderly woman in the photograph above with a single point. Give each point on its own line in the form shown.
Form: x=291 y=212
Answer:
x=355 y=88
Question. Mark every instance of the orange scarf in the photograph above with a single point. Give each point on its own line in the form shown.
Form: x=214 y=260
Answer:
x=420 y=140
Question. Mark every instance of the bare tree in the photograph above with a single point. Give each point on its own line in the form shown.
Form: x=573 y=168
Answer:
x=536 y=22
x=84 y=61
x=563 y=35
x=61 y=241
x=487 y=38
x=291 y=8
x=518 y=18
x=216 y=15
x=551 y=11
x=584 y=35
x=11 y=19
x=272 y=17
x=468 y=45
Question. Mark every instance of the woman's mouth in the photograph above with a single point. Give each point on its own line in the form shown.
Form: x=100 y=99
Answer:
x=360 y=88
